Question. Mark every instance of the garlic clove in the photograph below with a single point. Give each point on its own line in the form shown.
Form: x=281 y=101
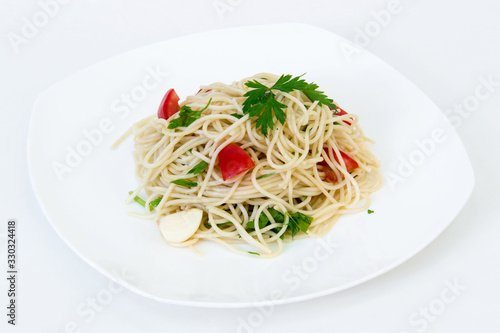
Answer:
x=179 y=227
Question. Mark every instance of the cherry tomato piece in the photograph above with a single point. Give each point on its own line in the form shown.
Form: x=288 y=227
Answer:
x=233 y=160
x=330 y=176
x=169 y=105
x=350 y=164
x=341 y=112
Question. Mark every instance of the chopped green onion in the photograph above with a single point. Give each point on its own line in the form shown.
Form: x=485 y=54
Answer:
x=141 y=202
x=183 y=182
x=138 y=200
x=155 y=202
x=267 y=175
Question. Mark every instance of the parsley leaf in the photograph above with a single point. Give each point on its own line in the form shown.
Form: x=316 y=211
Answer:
x=370 y=211
x=261 y=101
x=183 y=182
x=298 y=221
x=286 y=83
x=236 y=115
x=277 y=216
x=186 y=116
x=265 y=108
x=316 y=95
x=198 y=168
x=264 y=221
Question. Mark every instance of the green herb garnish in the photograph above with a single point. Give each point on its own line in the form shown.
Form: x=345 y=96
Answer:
x=261 y=101
x=264 y=221
x=277 y=216
x=141 y=202
x=267 y=175
x=257 y=254
x=239 y=116
x=220 y=225
x=370 y=211
x=155 y=202
x=198 y=168
x=298 y=221
x=138 y=200
x=186 y=116
x=183 y=182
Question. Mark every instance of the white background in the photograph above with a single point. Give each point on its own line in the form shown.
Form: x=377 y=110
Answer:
x=445 y=47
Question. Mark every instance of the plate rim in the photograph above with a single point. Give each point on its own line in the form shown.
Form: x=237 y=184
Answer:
x=225 y=304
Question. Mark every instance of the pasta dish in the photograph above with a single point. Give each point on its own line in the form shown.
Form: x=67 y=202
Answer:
x=252 y=165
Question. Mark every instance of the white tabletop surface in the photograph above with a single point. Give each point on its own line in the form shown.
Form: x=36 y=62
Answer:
x=447 y=48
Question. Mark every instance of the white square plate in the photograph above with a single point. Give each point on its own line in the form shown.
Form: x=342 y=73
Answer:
x=81 y=184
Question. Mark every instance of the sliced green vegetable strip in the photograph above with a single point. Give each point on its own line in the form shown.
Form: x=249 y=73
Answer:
x=198 y=168
x=183 y=182
x=138 y=200
x=267 y=175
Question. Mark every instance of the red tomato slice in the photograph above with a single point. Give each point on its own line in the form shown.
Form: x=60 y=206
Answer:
x=169 y=105
x=350 y=165
x=330 y=176
x=202 y=89
x=233 y=160
x=341 y=112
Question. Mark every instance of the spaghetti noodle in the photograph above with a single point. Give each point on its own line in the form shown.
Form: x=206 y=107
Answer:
x=303 y=166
